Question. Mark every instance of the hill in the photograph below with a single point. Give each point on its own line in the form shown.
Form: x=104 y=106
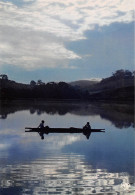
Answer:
x=112 y=83
x=12 y=90
x=83 y=84
x=118 y=87
x=119 y=94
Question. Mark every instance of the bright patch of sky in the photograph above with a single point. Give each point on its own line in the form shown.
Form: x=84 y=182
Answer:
x=55 y=34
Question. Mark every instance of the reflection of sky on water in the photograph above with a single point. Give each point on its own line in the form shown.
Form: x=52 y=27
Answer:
x=120 y=115
x=65 y=163
x=63 y=174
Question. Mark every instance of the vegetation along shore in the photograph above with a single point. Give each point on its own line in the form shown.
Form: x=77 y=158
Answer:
x=118 y=87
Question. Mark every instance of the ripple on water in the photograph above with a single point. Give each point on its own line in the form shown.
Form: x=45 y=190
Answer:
x=63 y=174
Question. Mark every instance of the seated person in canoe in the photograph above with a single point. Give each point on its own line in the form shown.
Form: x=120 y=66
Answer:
x=41 y=125
x=87 y=126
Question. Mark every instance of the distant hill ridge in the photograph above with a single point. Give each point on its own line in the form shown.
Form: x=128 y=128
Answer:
x=119 y=86
x=119 y=79
x=83 y=83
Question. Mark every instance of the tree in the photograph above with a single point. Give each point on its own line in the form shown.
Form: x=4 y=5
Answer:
x=122 y=74
x=39 y=82
x=32 y=83
x=128 y=73
x=119 y=73
x=4 y=77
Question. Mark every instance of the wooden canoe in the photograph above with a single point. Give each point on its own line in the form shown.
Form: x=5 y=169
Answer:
x=62 y=130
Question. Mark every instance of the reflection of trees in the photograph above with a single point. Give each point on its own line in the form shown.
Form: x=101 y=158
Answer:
x=4 y=116
x=32 y=111
x=124 y=124
x=121 y=115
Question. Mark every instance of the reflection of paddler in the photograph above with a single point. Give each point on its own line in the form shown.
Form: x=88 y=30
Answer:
x=86 y=130
x=41 y=135
x=87 y=126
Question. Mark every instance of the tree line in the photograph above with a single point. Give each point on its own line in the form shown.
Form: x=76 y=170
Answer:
x=119 y=85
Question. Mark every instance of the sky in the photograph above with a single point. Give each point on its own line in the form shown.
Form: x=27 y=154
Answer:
x=55 y=40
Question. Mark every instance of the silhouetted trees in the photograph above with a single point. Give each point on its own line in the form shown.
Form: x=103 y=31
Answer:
x=122 y=74
x=120 y=78
x=52 y=90
x=4 y=77
x=119 y=86
x=39 y=82
x=32 y=83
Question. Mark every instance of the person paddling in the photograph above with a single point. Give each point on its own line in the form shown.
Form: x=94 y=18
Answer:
x=41 y=125
x=87 y=126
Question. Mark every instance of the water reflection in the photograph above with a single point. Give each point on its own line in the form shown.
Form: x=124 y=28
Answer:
x=63 y=174
x=121 y=115
x=66 y=163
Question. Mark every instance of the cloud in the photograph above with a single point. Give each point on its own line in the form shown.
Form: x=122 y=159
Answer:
x=93 y=79
x=31 y=50
x=3 y=146
x=33 y=35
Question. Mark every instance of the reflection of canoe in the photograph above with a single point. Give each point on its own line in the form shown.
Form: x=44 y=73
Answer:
x=62 y=130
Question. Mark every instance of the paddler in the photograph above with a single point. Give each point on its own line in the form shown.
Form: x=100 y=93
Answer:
x=41 y=125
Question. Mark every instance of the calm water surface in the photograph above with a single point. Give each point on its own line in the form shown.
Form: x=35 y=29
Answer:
x=66 y=163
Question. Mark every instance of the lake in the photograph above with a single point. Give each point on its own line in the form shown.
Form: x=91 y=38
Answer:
x=66 y=163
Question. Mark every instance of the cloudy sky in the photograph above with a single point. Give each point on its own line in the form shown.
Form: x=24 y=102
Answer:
x=57 y=40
